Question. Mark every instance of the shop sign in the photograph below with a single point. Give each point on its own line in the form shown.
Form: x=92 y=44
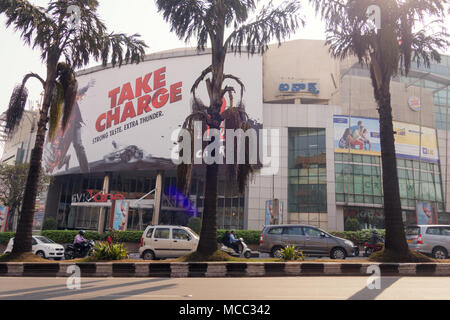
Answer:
x=414 y=103
x=93 y=196
x=300 y=87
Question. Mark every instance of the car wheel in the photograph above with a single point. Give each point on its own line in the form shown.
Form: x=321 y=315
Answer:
x=148 y=255
x=41 y=254
x=276 y=253
x=337 y=253
x=439 y=253
x=247 y=254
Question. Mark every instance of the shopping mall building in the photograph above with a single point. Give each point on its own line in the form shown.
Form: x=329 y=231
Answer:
x=119 y=143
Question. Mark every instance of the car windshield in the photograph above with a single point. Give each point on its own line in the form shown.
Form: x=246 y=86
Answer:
x=412 y=231
x=44 y=240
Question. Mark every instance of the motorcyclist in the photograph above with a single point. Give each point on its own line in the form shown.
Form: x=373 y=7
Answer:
x=375 y=238
x=234 y=243
x=79 y=241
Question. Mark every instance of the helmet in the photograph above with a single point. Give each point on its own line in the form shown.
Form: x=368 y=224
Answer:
x=374 y=231
x=81 y=232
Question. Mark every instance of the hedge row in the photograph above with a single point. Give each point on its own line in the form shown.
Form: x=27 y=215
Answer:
x=5 y=236
x=358 y=237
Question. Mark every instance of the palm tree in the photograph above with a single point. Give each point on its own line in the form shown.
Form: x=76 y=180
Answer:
x=59 y=35
x=209 y=20
x=387 y=51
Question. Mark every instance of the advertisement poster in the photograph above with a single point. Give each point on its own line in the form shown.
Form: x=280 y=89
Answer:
x=271 y=217
x=39 y=211
x=426 y=213
x=124 y=118
x=120 y=218
x=361 y=135
x=4 y=214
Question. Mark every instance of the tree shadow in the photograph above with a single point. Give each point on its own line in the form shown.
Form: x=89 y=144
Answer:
x=372 y=294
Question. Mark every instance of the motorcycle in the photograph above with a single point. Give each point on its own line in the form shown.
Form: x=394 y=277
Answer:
x=370 y=248
x=245 y=252
x=73 y=253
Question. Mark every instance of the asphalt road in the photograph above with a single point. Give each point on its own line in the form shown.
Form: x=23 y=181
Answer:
x=287 y=288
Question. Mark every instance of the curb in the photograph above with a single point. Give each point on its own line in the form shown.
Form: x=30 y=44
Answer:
x=220 y=269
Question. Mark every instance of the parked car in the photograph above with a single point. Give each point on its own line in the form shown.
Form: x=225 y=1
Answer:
x=308 y=239
x=432 y=240
x=167 y=242
x=42 y=247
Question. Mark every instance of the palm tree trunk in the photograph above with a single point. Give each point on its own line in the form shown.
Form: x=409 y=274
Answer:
x=22 y=240
x=395 y=234
x=208 y=235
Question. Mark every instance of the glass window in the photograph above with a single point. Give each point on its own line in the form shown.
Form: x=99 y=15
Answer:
x=412 y=231
x=276 y=230
x=162 y=233
x=295 y=231
x=311 y=232
x=149 y=233
x=180 y=234
x=433 y=231
x=445 y=231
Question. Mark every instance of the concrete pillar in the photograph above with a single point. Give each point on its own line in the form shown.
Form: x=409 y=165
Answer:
x=101 y=216
x=158 y=195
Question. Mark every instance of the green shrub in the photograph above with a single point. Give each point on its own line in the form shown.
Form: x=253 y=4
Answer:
x=289 y=253
x=104 y=251
x=358 y=237
x=249 y=236
x=50 y=224
x=195 y=224
x=352 y=224
x=5 y=236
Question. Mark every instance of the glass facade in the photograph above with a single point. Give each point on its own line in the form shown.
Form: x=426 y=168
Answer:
x=132 y=185
x=359 y=182
x=307 y=186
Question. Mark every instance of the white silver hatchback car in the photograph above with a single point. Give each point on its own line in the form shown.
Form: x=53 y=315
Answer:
x=167 y=242
x=43 y=247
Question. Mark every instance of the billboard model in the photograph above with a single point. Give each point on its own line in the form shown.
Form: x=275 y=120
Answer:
x=361 y=135
x=426 y=213
x=124 y=117
x=271 y=216
x=4 y=215
x=120 y=215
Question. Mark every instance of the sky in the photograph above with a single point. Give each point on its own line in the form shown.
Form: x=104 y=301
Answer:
x=132 y=16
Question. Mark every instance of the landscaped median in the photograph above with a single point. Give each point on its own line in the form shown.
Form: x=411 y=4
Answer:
x=220 y=269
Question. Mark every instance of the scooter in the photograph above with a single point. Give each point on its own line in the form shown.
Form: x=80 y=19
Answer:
x=85 y=251
x=370 y=248
x=245 y=252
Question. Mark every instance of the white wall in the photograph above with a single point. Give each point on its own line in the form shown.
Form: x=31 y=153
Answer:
x=282 y=117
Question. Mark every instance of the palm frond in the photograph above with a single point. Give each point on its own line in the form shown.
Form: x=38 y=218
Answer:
x=16 y=107
x=69 y=85
x=271 y=23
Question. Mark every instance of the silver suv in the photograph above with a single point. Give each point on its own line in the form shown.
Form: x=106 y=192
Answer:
x=429 y=239
x=310 y=240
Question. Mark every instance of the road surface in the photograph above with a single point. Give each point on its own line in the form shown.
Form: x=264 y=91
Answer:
x=286 y=288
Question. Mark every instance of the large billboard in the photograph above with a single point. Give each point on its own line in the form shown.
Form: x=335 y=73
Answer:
x=361 y=135
x=124 y=117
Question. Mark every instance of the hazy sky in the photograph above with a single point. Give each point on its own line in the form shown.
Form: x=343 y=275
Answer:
x=132 y=16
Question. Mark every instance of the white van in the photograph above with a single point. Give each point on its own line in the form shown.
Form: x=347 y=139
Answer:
x=167 y=242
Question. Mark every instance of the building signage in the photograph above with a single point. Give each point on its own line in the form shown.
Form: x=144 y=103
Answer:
x=94 y=196
x=299 y=87
x=124 y=118
x=426 y=213
x=120 y=215
x=361 y=135
x=4 y=215
x=414 y=103
x=273 y=217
